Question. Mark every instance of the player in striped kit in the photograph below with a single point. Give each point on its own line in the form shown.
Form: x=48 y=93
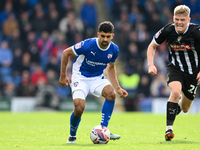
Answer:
x=92 y=57
x=183 y=39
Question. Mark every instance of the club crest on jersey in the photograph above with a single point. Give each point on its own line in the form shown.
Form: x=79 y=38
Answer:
x=109 y=56
x=179 y=39
x=75 y=84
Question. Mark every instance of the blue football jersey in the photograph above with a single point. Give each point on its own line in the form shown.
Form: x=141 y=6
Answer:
x=91 y=60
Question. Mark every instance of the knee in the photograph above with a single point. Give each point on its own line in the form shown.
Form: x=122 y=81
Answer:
x=185 y=109
x=111 y=96
x=175 y=95
x=79 y=109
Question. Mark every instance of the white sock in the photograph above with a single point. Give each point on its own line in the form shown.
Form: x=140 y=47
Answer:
x=169 y=127
x=179 y=102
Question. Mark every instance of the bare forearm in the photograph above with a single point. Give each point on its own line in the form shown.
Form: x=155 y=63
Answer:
x=111 y=72
x=63 y=67
x=150 y=53
x=64 y=62
x=150 y=56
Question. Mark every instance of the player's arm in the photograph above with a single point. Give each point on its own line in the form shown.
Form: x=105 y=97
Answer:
x=150 y=56
x=64 y=80
x=111 y=72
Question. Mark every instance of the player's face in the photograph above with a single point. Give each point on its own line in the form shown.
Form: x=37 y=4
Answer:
x=181 y=22
x=104 y=39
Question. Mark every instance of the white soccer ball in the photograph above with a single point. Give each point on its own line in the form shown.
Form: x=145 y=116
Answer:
x=100 y=135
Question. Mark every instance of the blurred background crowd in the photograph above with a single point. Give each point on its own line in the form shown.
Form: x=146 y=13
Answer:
x=33 y=34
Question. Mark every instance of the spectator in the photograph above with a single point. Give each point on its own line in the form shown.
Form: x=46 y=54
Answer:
x=70 y=25
x=52 y=77
x=53 y=20
x=17 y=60
x=45 y=45
x=143 y=89
x=46 y=95
x=39 y=21
x=21 y=6
x=32 y=48
x=38 y=77
x=26 y=61
x=166 y=15
x=159 y=87
x=8 y=90
x=8 y=9
x=25 y=25
x=133 y=55
x=33 y=3
x=34 y=54
x=143 y=37
x=54 y=65
x=134 y=14
x=89 y=18
x=154 y=24
x=116 y=9
x=6 y=60
x=59 y=46
x=65 y=7
x=130 y=81
x=25 y=88
x=31 y=38
x=16 y=41
x=9 y=25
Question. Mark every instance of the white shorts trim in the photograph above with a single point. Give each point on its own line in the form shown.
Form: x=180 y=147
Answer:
x=78 y=94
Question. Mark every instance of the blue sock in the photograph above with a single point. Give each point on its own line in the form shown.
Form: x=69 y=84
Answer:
x=107 y=110
x=74 y=123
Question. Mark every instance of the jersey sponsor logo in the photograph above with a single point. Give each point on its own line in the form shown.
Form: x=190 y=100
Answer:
x=75 y=84
x=78 y=45
x=109 y=56
x=157 y=34
x=92 y=63
x=182 y=47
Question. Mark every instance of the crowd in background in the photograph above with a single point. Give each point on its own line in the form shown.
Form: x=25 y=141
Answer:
x=136 y=23
x=33 y=34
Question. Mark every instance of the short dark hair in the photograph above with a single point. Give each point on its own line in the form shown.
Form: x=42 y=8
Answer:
x=106 y=27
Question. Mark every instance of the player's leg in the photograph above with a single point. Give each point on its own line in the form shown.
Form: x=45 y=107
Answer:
x=185 y=103
x=179 y=106
x=172 y=104
x=79 y=107
x=102 y=87
x=190 y=86
x=80 y=90
x=107 y=109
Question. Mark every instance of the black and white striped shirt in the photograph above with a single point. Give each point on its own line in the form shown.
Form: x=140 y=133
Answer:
x=184 y=49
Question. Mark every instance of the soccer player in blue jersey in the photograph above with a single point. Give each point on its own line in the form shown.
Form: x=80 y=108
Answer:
x=92 y=57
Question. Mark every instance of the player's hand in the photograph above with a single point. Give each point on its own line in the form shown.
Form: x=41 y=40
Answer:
x=198 y=77
x=122 y=92
x=152 y=70
x=64 y=81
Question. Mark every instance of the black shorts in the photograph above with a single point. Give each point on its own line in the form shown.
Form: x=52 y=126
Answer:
x=189 y=82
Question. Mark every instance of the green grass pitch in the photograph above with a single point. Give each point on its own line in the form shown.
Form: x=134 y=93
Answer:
x=139 y=131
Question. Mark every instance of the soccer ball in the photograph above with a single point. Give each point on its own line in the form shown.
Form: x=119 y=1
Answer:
x=100 y=135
